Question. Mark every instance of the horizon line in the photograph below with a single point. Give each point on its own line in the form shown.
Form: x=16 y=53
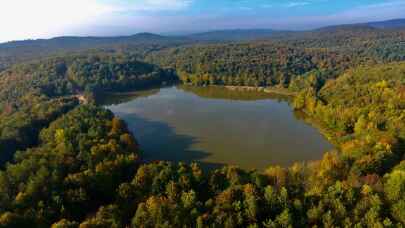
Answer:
x=195 y=32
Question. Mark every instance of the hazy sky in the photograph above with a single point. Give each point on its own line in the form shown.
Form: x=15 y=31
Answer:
x=27 y=19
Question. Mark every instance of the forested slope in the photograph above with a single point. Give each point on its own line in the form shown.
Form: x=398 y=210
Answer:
x=82 y=158
x=325 y=54
x=72 y=74
x=86 y=172
x=85 y=169
x=250 y=64
x=365 y=111
x=28 y=50
x=32 y=95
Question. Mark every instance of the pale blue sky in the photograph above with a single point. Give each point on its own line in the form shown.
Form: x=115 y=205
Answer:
x=22 y=19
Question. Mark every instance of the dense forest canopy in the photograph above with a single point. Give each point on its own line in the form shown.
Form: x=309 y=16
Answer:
x=71 y=74
x=326 y=53
x=142 y=43
x=67 y=163
x=33 y=94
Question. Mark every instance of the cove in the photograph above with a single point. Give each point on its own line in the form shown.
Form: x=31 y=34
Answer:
x=216 y=127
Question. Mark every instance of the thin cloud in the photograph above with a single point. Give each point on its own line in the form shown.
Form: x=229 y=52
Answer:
x=373 y=12
x=267 y=6
x=245 y=8
x=156 y=5
x=20 y=19
x=296 y=4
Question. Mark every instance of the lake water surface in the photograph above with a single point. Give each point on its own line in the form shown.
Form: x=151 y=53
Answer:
x=215 y=126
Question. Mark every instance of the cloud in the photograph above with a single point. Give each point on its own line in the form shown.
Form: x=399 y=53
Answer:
x=295 y=4
x=389 y=9
x=22 y=19
x=366 y=13
x=386 y=5
x=267 y=6
x=154 y=5
x=166 y=4
x=245 y=8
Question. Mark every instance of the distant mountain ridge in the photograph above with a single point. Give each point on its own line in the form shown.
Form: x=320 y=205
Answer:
x=225 y=34
x=233 y=34
x=389 y=24
x=17 y=51
x=94 y=41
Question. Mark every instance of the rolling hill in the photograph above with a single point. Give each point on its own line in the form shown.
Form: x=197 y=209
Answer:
x=390 y=24
x=143 y=43
x=234 y=35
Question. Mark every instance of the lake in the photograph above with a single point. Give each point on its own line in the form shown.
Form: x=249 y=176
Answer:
x=215 y=126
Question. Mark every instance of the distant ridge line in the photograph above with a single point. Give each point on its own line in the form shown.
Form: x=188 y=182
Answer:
x=221 y=34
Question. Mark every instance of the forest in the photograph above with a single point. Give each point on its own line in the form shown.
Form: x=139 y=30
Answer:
x=66 y=162
x=34 y=94
x=282 y=61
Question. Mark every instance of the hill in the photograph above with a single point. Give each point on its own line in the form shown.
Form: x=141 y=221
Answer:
x=78 y=166
x=78 y=42
x=234 y=35
x=87 y=171
x=260 y=34
x=368 y=26
x=144 y=43
x=34 y=94
x=18 y=51
x=390 y=24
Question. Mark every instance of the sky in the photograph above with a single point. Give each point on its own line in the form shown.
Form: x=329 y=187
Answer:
x=33 y=19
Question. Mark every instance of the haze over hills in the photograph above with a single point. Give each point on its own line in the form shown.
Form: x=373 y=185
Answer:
x=81 y=41
x=76 y=43
x=15 y=51
x=370 y=26
x=225 y=34
x=26 y=50
x=234 y=34
x=395 y=23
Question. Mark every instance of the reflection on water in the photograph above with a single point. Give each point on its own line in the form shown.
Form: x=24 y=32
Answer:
x=222 y=93
x=215 y=126
x=107 y=99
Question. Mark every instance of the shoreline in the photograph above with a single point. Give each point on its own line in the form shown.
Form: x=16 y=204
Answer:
x=329 y=134
x=271 y=90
